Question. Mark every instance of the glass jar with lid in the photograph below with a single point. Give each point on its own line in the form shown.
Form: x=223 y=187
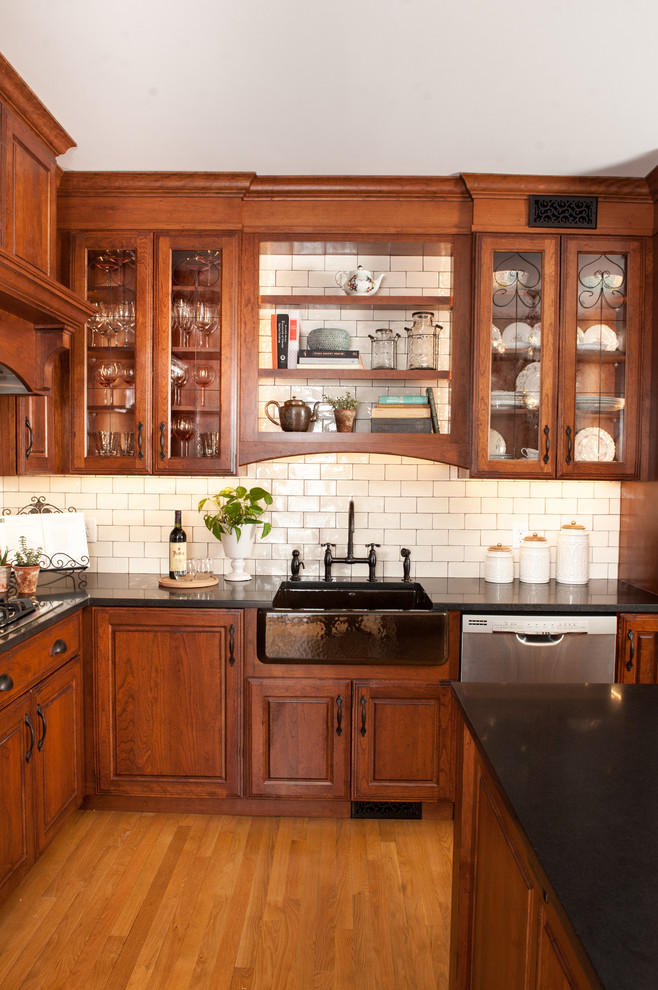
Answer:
x=423 y=341
x=384 y=349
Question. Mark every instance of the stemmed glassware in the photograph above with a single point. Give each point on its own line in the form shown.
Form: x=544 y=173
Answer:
x=124 y=319
x=183 y=428
x=182 y=320
x=204 y=376
x=107 y=375
x=206 y=321
x=179 y=376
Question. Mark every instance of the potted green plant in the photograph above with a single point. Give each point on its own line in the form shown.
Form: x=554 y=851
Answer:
x=26 y=563
x=234 y=522
x=5 y=568
x=344 y=407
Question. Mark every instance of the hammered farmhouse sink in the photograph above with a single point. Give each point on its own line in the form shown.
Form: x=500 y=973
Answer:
x=352 y=622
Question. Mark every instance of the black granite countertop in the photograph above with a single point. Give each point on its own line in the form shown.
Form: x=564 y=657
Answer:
x=579 y=767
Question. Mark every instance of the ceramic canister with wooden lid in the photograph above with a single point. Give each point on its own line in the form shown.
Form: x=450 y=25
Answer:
x=534 y=560
x=572 y=554
x=499 y=564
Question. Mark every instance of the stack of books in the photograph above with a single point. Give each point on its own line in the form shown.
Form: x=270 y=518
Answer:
x=404 y=414
x=329 y=359
x=285 y=339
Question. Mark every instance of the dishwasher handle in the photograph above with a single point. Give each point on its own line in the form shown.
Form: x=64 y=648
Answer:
x=539 y=639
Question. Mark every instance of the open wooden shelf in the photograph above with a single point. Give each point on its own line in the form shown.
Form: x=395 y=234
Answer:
x=428 y=374
x=421 y=303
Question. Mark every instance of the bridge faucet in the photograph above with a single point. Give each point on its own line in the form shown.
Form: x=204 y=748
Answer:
x=370 y=560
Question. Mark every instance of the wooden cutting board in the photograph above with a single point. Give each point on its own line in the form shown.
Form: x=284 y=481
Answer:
x=188 y=584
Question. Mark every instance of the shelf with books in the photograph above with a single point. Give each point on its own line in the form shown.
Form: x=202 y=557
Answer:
x=356 y=373
x=378 y=301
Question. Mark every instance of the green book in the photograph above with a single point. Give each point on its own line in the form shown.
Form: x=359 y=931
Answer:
x=402 y=400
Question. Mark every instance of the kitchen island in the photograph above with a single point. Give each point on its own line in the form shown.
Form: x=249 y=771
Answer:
x=556 y=848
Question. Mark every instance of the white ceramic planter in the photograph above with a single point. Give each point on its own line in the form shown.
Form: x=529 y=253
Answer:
x=237 y=549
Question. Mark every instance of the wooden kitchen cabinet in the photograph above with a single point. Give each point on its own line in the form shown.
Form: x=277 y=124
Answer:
x=299 y=737
x=402 y=742
x=637 y=649
x=559 y=344
x=382 y=740
x=167 y=701
x=41 y=745
x=154 y=373
x=420 y=274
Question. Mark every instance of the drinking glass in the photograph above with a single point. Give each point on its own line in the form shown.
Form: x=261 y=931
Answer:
x=182 y=320
x=125 y=320
x=204 y=376
x=183 y=428
x=207 y=321
x=179 y=376
x=107 y=375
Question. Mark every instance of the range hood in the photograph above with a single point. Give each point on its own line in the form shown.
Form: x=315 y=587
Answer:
x=38 y=317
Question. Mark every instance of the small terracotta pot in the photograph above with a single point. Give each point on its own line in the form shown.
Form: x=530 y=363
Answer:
x=27 y=578
x=345 y=420
x=4 y=578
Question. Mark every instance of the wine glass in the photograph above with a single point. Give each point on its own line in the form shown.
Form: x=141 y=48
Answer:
x=182 y=320
x=125 y=319
x=204 y=376
x=207 y=322
x=179 y=376
x=107 y=375
x=183 y=428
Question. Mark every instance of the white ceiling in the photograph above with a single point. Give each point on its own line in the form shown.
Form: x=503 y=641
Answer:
x=363 y=87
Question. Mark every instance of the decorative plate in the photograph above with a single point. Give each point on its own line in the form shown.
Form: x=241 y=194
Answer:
x=497 y=446
x=594 y=444
x=529 y=379
x=521 y=336
x=601 y=336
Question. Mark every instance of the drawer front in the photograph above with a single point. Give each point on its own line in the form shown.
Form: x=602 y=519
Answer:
x=28 y=663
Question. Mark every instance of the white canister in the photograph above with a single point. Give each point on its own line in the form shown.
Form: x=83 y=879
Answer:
x=499 y=565
x=534 y=560
x=572 y=554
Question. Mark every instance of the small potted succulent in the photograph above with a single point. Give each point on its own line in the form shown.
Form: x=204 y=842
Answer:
x=26 y=563
x=5 y=569
x=235 y=523
x=344 y=408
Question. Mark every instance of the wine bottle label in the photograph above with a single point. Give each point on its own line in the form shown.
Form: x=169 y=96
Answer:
x=177 y=557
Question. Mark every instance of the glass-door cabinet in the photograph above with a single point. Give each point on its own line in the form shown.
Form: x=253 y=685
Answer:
x=517 y=350
x=195 y=371
x=112 y=368
x=558 y=383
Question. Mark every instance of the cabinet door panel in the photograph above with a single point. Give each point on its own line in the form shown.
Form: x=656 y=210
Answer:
x=16 y=841
x=30 y=196
x=637 y=649
x=401 y=742
x=299 y=739
x=165 y=726
x=557 y=967
x=58 y=759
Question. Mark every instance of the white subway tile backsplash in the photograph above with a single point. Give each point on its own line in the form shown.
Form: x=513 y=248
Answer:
x=446 y=519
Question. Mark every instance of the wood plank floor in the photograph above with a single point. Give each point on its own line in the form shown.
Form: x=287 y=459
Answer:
x=128 y=901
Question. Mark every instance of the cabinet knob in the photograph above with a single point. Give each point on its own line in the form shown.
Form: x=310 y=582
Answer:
x=6 y=683
x=59 y=646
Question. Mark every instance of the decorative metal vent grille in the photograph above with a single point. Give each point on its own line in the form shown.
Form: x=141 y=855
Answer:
x=563 y=211
x=387 y=809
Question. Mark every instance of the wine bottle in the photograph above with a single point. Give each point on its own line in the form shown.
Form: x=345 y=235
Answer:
x=177 y=548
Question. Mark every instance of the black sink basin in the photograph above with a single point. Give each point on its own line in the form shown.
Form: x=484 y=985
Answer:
x=350 y=595
x=352 y=622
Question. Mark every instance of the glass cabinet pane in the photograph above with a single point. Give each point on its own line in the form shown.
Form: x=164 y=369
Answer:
x=194 y=353
x=110 y=354
x=601 y=368
x=516 y=356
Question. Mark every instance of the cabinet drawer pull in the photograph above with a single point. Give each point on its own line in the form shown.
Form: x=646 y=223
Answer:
x=339 y=715
x=363 y=716
x=569 y=433
x=59 y=646
x=163 y=428
x=631 y=640
x=43 y=726
x=6 y=683
x=30 y=438
x=140 y=441
x=547 y=444
x=231 y=645
x=28 y=755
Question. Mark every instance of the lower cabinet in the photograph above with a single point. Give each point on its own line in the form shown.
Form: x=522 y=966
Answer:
x=338 y=738
x=41 y=761
x=505 y=931
x=637 y=649
x=167 y=701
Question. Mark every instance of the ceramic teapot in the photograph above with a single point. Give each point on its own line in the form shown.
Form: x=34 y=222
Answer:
x=359 y=282
x=294 y=416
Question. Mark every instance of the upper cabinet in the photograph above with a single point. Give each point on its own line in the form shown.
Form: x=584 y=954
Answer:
x=558 y=382
x=383 y=319
x=154 y=370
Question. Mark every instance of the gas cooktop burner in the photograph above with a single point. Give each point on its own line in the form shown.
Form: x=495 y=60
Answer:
x=14 y=610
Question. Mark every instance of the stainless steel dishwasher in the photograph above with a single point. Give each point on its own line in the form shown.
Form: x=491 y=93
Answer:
x=539 y=648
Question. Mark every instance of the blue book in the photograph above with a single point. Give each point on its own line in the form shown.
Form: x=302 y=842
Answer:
x=403 y=400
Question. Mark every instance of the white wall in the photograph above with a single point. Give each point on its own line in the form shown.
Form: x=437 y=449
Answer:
x=447 y=521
